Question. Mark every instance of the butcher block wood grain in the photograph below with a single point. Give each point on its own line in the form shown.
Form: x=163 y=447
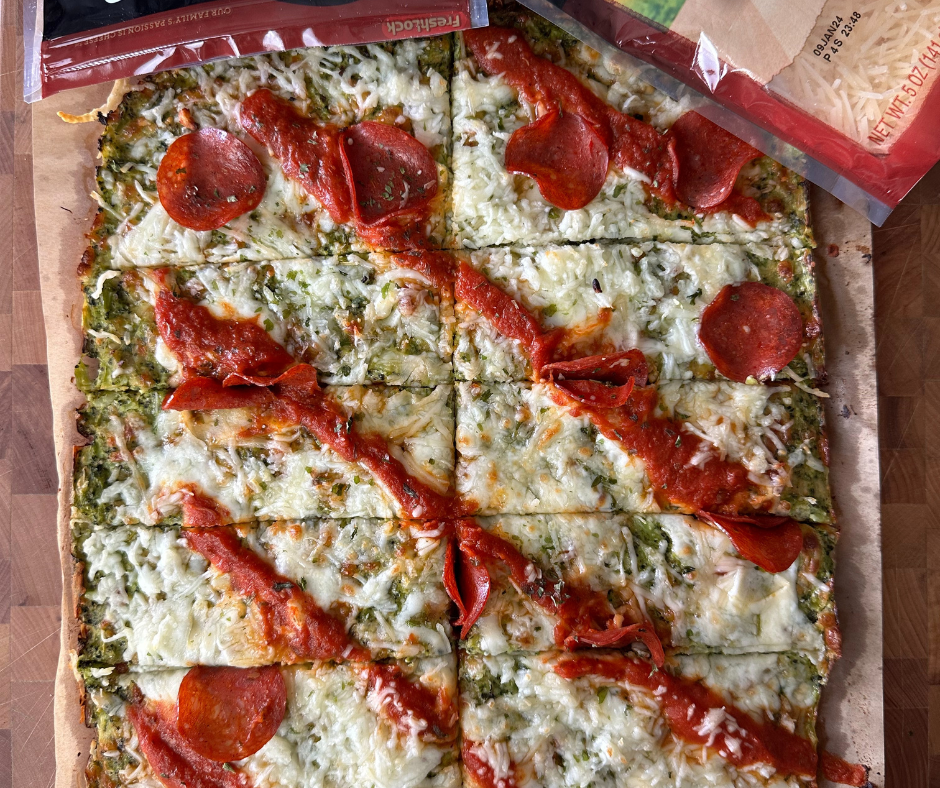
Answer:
x=907 y=273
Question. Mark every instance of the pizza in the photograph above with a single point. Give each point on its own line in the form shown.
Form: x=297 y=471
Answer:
x=610 y=296
x=153 y=597
x=559 y=719
x=357 y=318
x=686 y=577
x=471 y=360
x=500 y=78
x=318 y=724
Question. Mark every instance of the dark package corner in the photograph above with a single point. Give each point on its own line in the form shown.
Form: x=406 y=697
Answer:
x=73 y=43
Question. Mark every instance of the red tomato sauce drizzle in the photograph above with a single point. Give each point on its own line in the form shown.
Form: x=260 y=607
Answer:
x=291 y=618
x=207 y=345
x=411 y=705
x=685 y=705
x=632 y=143
x=294 y=621
x=584 y=615
x=312 y=154
x=506 y=314
x=482 y=771
x=667 y=451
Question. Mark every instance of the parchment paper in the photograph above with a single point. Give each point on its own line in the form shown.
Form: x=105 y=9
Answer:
x=852 y=713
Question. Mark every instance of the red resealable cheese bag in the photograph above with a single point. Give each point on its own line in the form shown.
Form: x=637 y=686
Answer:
x=73 y=43
x=842 y=91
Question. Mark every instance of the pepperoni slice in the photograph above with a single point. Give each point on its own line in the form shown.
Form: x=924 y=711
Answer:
x=710 y=159
x=593 y=392
x=390 y=171
x=209 y=394
x=837 y=770
x=751 y=330
x=771 y=542
x=209 y=177
x=565 y=156
x=299 y=382
x=467 y=582
x=227 y=714
x=620 y=638
x=616 y=368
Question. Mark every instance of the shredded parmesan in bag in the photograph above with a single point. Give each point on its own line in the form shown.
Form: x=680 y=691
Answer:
x=866 y=67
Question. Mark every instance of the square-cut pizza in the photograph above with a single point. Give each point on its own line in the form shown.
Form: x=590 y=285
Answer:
x=556 y=142
x=612 y=720
x=666 y=300
x=342 y=451
x=469 y=357
x=277 y=156
x=579 y=580
x=346 y=725
x=356 y=319
x=719 y=447
x=154 y=597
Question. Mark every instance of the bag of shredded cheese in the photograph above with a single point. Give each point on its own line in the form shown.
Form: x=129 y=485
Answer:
x=72 y=43
x=842 y=91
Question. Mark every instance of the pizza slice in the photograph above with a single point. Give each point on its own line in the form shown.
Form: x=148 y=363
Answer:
x=287 y=450
x=347 y=725
x=155 y=597
x=278 y=156
x=356 y=319
x=696 y=447
x=611 y=719
x=556 y=142
x=577 y=580
x=661 y=298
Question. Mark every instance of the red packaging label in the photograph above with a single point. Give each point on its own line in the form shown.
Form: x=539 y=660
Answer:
x=75 y=50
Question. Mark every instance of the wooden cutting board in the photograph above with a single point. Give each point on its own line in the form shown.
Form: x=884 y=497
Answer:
x=907 y=286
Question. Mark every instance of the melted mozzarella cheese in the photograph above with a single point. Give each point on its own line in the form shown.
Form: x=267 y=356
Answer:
x=342 y=85
x=713 y=599
x=168 y=607
x=492 y=206
x=562 y=733
x=521 y=453
x=329 y=736
x=280 y=474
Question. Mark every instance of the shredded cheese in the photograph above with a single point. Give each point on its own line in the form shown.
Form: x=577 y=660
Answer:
x=118 y=90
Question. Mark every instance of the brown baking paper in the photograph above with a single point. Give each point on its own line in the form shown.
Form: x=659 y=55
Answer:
x=64 y=161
